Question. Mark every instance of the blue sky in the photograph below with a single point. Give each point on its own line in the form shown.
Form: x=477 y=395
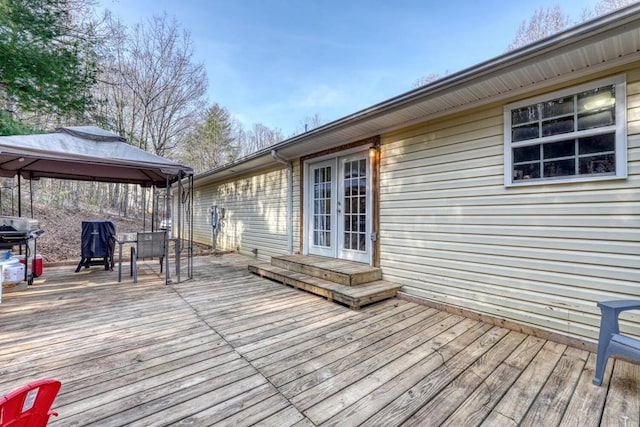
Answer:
x=276 y=62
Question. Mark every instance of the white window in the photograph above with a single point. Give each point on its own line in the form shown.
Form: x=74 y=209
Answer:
x=571 y=135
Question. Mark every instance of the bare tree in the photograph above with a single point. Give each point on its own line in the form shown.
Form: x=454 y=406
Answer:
x=425 y=80
x=543 y=23
x=150 y=91
x=546 y=22
x=603 y=7
x=168 y=86
x=309 y=123
x=256 y=138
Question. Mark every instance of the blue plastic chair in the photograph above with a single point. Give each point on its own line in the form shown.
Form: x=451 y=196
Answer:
x=610 y=341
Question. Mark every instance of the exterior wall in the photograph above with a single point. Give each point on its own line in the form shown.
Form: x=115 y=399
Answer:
x=297 y=206
x=542 y=255
x=255 y=213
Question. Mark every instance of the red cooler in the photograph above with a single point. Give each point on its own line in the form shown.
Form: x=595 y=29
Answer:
x=36 y=265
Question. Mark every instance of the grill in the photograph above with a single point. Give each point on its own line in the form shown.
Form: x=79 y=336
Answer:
x=14 y=230
x=23 y=232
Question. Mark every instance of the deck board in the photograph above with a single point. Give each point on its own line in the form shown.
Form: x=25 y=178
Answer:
x=447 y=401
x=231 y=348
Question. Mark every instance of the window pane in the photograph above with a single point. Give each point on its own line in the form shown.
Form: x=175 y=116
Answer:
x=558 y=126
x=597 y=144
x=363 y=205
x=559 y=149
x=522 y=133
x=597 y=99
x=559 y=168
x=557 y=107
x=526 y=171
x=605 y=163
x=526 y=154
x=524 y=115
x=598 y=119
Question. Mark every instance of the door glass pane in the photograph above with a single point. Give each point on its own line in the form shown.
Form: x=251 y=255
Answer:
x=322 y=206
x=355 y=203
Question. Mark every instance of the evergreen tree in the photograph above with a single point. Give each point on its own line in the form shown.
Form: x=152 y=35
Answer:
x=211 y=143
x=47 y=63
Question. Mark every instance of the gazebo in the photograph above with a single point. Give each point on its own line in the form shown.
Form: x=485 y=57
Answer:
x=88 y=153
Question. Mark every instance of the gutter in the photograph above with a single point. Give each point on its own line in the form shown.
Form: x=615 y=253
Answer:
x=289 y=166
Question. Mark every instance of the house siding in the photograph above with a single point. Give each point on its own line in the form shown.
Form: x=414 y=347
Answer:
x=255 y=213
x=542 y=255
x=297 y=207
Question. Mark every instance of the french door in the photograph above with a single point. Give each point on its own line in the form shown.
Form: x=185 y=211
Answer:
x=338 y=208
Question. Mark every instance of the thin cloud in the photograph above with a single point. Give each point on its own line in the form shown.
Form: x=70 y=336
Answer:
x=321 y=96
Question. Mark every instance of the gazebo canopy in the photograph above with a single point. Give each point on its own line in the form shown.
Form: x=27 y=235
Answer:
x=85 y=153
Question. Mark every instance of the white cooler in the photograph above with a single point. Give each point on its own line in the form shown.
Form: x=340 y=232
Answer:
x=11 y=272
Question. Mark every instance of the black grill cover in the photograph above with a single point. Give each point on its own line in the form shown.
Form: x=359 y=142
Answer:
x=96 y=238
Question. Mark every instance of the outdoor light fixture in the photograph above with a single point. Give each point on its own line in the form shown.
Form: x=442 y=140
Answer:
x=373 y=150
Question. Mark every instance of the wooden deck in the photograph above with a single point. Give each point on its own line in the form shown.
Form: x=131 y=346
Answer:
x=231 y=348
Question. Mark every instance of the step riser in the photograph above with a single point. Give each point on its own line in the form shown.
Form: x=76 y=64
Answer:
x=330 y=294
x=347 y=279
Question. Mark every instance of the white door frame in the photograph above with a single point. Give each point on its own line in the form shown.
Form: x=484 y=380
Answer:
x=324 y=221
x=336 y=249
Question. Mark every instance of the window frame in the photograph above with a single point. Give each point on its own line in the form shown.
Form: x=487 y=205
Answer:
x=620 y=128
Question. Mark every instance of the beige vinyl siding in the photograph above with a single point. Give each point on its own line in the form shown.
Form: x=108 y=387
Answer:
x=297 y=177
x=542 y=255
x=255 y=217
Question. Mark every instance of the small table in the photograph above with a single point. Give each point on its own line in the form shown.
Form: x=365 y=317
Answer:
x=121 y=240
x=132 y=238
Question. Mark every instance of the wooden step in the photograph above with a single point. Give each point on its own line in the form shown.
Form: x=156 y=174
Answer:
x=347 y=273
x=352 y=296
